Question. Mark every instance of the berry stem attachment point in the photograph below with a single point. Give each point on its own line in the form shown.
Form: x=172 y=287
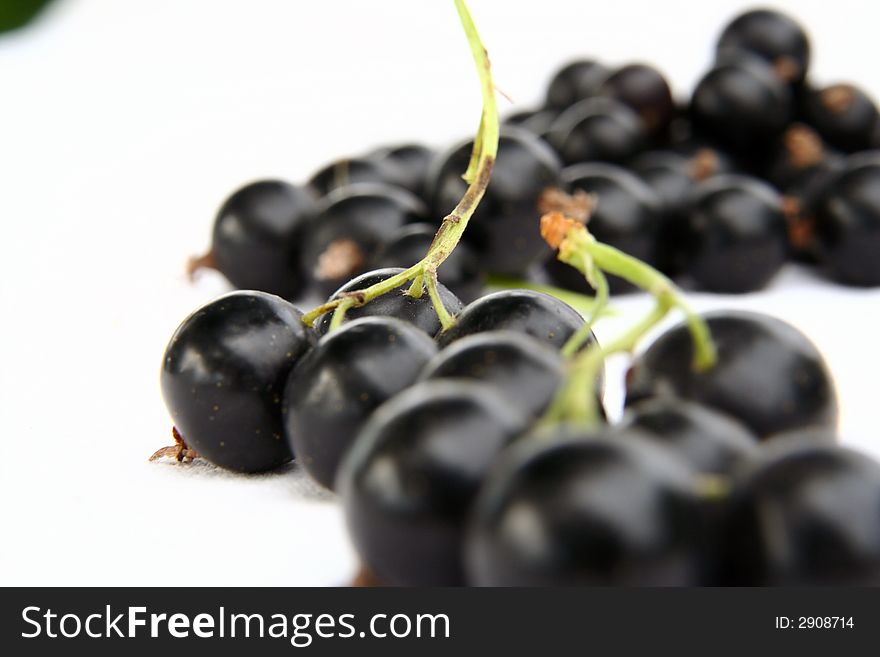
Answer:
x=424 y=273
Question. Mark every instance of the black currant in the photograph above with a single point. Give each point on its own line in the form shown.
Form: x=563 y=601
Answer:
x=419 y=311
x=597 y=129
x=646 y=91
x=582 y=508
x=538 y=122
x=334 y=389
x=733 y=237
x=741 y=105
x=768 y=374
x=626 y=215
x=805 y=514
x=504 y=228
x=843 y=114
x=223 y=375
x=345 y=172
x=526 y=371
x=539 y=315
x=711 y=442
x=574 y=82
x=257 y=237
x=461 y=272
x=847 y=222
x=772 y=36
x=405 y=165
x=350 y=226
x=409 y=481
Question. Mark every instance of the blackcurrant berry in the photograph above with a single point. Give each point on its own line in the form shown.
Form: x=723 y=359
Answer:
x=345 y=172
x=539 y=315
x=405 y=165
x=646 y=91
x=626 y=215
x=805 y=514
x=844 y=115
x=334 y=389
x=734 y=236
x=410 y=478
x=741 y=105
x=768 y=374
x=461 y=272
x=538 y=122
x=419 y=311
x=257 y=237
x=350 y=226
x=223 y=375
x=581 y=508
x=711 y=442
x=574 y=82
x=847 y=222
x=597 y=129
x=772 y=36
x=527 y=372
x=504 y=228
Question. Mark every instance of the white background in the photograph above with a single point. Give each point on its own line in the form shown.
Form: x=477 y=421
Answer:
x=122 y=127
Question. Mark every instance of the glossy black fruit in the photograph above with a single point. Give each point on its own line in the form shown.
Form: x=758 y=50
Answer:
x=223 y=375
x=409 y=481
x=806 y=514
x=526 y=371
x=734 y=237
x=416 y=311
x=538 y=122
x=504 y=228
x=350 y=226
x=257 y=237
x=644 y=89
x=847 y=223
x=574 y=82
x=710 y=442
x=768 y=375
x=741 y=105
x=461 y=272
x=844 y=115
x=772 y=36
x=626 y=216
x=577 y=508
x=597 y=129
x=335 y=388
x=345 y=172
x=539 y=315
x=405 y=165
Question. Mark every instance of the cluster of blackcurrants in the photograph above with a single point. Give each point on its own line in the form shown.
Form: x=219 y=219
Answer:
x=438 y=441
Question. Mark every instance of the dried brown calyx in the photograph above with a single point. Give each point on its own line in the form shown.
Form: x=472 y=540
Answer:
x=179 y=451
x=837 y=98
x=555 y=227
x=578 y=205
x=704 y=164
x=341 y=259
x=803 y=145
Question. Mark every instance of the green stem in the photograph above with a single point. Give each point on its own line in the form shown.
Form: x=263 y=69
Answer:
x=454 y=224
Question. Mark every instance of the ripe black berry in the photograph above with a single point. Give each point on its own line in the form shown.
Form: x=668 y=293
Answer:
x=772 y=36
x=579 y=508
x=345 y=172
x=711 y=442
x=223 y=375
x=257 y=237
x=527 y=372
x=539 y=315
x=844 y=115
x=504 y=229
x=461 y=272
x=847 y=223
x=741 y=105
x=597 y=129
x=416 y=311
x=405 y=165
x=333 y=390
x=805 y=514
x=409 y=481
x=734 y=236
x=626 y=216
x=350 y=226
x=538 y=122
x=646 y=91
x=768 y=374
x=575 y=82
